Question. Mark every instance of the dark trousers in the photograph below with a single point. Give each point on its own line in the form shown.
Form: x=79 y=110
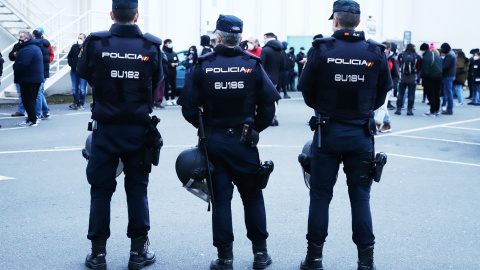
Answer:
x=411 y=94
x=171 y=86
x=29 y=93
x=109 y=143
x=432 y=89
x=348 y=144
x=470 y=83
x=235 y=163
x=282 y=82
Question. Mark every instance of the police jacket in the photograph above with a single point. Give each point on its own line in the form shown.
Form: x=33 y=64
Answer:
x=73 y=56
x=28 y=66
x=45 y=47
x=122 y=65
x=346 y=77
x=273 y=59
x=233 y=89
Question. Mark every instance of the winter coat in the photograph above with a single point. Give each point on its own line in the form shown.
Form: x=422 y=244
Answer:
x=431 y=66
x=172 y=58
x=394 y=68
x=73 y=56
x=45 y=47
x=476 y=71
x=449 y=66
x=28 y=66
x=462 y=71
x=273 y=59
x=15 y=49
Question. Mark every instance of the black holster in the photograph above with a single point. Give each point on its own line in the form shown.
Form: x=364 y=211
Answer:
x=153 y=142
x=263 y=174
x=379 y=162
x=249 y=136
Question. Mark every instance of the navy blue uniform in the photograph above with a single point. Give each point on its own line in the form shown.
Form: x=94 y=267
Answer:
x=122 y=65
x=345 y=79
x=233 y=89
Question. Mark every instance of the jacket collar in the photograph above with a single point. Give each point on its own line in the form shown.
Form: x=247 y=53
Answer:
x=224 y=50
x=125 y=30
x=349 y=35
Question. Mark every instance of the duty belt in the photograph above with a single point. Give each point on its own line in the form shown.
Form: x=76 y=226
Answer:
x=232 y=132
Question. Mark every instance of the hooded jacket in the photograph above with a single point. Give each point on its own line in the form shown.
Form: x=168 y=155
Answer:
x=45 y=47
x=273 y=59
x=28 y=66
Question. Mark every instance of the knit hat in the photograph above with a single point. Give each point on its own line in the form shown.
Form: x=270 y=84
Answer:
x=424 y=47
x=432 y=47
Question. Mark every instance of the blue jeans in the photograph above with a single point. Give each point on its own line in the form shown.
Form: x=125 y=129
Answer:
x=448 y=93
x=348 y=144
x=459 y=92
x=476 y=92
x=21 y=109
x=42 y=106
x=79 y=88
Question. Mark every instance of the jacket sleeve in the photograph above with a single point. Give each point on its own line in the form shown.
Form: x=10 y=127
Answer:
x=384 y=84
x=267 y=95
x=23 y=62
x=70 y=56
x=308 y=81
x=1 y=59
x=52 y=55
x=263 y=56
x=86 y=62
x=11 y=55
x=190 y=99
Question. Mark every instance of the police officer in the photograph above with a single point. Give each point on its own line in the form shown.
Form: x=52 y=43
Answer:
x=236 y=95
x=122 y=65
x=345 y=79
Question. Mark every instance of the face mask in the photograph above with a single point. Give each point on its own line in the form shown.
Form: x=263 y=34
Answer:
x=20 y=41
x=80 y=42
x=476 y=58
x=443 y=57
x=169 y=46
x=191 y=52
x=250 y=46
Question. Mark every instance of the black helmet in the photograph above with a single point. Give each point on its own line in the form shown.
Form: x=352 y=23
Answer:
x=192 y=171
x=304 y=158
x=88 y=149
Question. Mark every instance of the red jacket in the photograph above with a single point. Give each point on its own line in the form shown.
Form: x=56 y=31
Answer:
x=256 y=51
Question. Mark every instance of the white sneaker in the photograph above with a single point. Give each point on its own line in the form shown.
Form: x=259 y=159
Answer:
x=34 y=124
x=174 y=102
x=169 y=103
x=24 y=124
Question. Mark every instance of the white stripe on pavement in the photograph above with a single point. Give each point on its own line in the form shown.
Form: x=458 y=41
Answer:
x=3 y=129
x=434 y=139
x=436 y=160
x=428 y=127
x=474 y=129
x=5 y=178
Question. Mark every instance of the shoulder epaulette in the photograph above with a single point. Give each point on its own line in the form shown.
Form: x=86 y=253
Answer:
x=328 y=41
x=103 y=36
x=373 y=45
x=248 y=56
x=155 y=40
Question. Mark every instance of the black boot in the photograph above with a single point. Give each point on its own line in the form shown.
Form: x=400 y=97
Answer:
x=139 y=254
x=365 y=258
x=261 y=259
x=409 y=112
x=96 y=260
x=313 y=260
x=225 y=259
x=398 y=111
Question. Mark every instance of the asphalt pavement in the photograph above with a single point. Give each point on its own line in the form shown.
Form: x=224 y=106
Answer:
x=425 y=209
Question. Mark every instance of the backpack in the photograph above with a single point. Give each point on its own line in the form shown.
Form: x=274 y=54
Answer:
x=409 y=63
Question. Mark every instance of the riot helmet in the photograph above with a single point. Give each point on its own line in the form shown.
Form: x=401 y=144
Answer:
x=305 y=158
x=86 y=153
x=192 y=171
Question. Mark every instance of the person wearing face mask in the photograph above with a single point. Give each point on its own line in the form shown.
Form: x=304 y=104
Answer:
x=21 y=109
x=191 y=59
x=449 y=68
x=43 y=112
x=79 y=85
x=171 y=73
x=28 y=74
x=254 y=46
